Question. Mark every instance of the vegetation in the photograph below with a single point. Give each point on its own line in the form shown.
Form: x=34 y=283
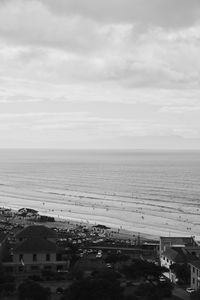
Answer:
x=149 y=291
x=7 y=284
x=30 y=290
x=182 y=273
x=141 y=268
x=103 y=286
x=114 y=258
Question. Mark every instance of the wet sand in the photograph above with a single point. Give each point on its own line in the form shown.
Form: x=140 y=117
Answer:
x=149 y=217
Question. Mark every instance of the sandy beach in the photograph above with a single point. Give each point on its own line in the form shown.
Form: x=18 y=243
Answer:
x=145 y=217
x=151 y=193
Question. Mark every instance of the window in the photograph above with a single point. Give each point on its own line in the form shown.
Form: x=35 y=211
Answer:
x=47 y=268
x=48 y=258
x=59 y=267
x=58 y=257
x=193 y=269
x=21 y=257
x=34 y=257
x=34 y=268
x=193 y=280
x=167 y=260
x=9 y=269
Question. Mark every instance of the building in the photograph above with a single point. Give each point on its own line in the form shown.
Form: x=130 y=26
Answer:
x=36 y=250
x=175 y=255
x=195 y=250
x=168 y=242
x=34 y=231
x=195 y=275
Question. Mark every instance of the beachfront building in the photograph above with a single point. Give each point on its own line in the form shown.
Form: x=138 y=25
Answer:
x=175 y=255
x=34 y=231
x=195 y=251
x=36 y=250
x=195 y=275
x=170 y=241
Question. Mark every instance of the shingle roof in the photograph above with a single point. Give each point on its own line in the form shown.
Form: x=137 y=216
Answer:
x=178 y=255
x=36 y=231
x=178 y=240
x=196 y=264
x=37 y=245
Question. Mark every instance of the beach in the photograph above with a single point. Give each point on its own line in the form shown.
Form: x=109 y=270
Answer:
x=153 y=194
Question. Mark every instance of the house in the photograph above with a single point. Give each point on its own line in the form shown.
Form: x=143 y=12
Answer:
x=25 y=211
x=34 y=231
x=175 y=255
x=194 y=250
x=168 y=242
x=36 y=254
x=195 y=275
x=36 y=250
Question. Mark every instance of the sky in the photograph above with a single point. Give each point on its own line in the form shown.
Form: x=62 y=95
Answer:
x=91 y=74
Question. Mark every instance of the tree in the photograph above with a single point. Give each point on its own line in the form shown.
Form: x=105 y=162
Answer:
x=30 y=290
x=94 y=288
x=7 y=283
x=182 y=272
x=141 y=268
x=154 y=292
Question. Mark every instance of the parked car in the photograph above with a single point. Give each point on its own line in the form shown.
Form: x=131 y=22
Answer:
x=162 y=279
x=99 y=254
x=59 y=290
x=190 y=290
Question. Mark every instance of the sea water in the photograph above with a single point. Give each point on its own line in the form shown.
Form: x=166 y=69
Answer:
x=115 y=187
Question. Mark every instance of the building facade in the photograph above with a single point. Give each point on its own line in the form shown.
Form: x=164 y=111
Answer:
x=195 y=275
x=35 y=250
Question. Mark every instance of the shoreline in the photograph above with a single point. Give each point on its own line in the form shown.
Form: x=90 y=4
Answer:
x=119 y=231
x=73 y=222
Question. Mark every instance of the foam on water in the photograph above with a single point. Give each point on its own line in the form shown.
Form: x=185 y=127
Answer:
x=139 y=190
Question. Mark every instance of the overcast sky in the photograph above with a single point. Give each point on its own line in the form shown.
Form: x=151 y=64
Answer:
x=100 y=73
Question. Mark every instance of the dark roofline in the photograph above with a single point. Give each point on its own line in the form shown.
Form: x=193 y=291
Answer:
x=37 y=245
x=195 y=264
x=36 y=230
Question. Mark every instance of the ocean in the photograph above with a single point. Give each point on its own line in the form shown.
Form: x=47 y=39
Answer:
x=146 y=191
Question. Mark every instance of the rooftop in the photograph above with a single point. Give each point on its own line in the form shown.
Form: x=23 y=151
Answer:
x=178 y=255
x=182 y=240
x=36 y=231
x=37 y=245
x=196 y=264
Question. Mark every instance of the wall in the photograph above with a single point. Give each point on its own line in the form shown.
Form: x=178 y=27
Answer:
x=41 y=258
x=195 y=275
x=165 y=262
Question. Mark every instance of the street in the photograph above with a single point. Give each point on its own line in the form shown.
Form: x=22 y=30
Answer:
x=181 y=293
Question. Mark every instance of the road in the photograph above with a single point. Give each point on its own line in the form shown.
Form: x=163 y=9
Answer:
x=180 y=293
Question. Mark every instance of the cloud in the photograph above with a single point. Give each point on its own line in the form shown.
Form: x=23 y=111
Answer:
x=101 y=68
x=166 y=13
x=83 y=122
x=38 y=44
